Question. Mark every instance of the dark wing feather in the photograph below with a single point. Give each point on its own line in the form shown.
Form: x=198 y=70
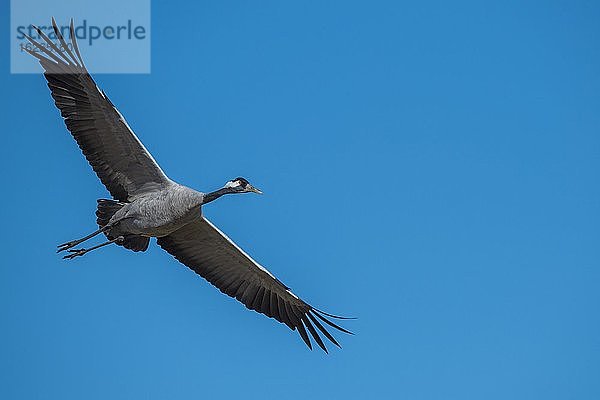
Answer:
x=117 y=156
x=211 y=254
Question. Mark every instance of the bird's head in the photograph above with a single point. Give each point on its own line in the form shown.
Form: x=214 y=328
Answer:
x=241 y=185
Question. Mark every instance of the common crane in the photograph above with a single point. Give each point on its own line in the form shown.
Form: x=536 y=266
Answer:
x=146 y=203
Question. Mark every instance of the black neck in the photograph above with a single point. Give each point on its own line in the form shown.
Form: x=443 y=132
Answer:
x=208 y=197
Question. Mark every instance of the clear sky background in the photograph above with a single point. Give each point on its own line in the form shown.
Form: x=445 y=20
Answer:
x=432 y=169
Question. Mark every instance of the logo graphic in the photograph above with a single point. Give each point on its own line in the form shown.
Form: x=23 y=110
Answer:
x=110 y=42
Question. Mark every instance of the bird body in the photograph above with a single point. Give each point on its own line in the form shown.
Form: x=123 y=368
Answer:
x=158 y=213
x=146 y=203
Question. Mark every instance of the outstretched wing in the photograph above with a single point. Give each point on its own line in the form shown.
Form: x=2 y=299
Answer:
x=212 y=255
x=117 y=156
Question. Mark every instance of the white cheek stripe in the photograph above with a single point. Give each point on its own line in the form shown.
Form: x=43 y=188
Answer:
x=231 y=184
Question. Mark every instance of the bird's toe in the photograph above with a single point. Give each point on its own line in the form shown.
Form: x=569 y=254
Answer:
x=66 y=246
x=74 y=253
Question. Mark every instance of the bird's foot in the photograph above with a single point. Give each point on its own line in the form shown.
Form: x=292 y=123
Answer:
x=67 y=246
x=75 y=253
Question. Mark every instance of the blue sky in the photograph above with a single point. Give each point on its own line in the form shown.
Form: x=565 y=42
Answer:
x=430 y=168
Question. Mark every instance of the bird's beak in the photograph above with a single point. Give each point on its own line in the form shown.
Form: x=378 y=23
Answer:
x=255 y=190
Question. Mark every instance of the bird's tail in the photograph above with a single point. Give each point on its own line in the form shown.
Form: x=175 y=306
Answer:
x=108 y=208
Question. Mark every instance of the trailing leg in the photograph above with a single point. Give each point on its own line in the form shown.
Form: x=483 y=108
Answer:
x=73 y=243
x=111 y=227
x=80 y=252
x=106 y=209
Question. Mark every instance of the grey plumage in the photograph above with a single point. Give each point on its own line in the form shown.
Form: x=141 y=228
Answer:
x=148 y=204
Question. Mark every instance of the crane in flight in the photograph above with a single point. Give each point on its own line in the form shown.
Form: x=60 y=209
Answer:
x=146 y=203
